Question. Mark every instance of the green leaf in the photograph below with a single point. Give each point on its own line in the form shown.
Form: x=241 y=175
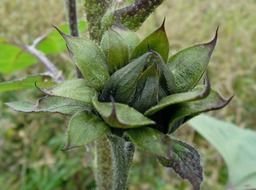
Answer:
x=115 y=49
x=50 y=104
x=122 y=84
x=89 y=59
x=189 y=65
x=76 y=89
x=28 y=82
x=54 y=43
x=236 y=145
x=197 y=93
x=183 y=158
x=184 y=111
x=13 y=58
x=157 y=41
x=185 y=162
x=83 y=129
x=120 y=115
x=131 y=38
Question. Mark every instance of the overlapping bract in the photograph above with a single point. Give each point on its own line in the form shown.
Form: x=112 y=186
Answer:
x=139 y=89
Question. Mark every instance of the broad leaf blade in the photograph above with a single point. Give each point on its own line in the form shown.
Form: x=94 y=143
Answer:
x=198 y=92
x=50 y=104
x=189 y=65
x=115 y=50
x=120 y=115
x=236 y=145
x=183 y=158
x=157 y=41
x=89 y=58
x=54 y=43
x=13 y=58
x=83 y=129
x=76 y=89
x=185 y=111
x=28 y=82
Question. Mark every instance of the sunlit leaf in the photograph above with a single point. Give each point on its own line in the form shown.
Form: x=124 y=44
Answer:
x=50 y=104
x=180 y=156
x=28 y=82
x=76 y=89
x=236 y=145
x=120 y=115
x=189 y=65
x=54 y=43
x=115 y=49
x=84 y=128
x=13 y=58
x=157 y=41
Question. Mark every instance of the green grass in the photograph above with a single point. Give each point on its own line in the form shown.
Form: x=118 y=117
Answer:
x=30 y=146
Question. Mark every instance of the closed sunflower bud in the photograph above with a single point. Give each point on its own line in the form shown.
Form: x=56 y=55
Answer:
x=139 y=89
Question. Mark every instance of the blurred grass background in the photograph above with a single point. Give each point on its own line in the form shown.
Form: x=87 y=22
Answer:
x=30 y=145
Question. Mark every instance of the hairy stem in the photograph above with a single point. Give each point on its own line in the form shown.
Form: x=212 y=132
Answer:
x=113 y=160
x=104 y=164
x=134 y=15
x=95 y=9
x=122 y=153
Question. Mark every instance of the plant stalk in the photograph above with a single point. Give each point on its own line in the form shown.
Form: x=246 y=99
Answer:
x=113 y=160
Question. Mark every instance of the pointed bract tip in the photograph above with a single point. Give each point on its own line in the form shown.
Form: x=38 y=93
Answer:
x=211 y=45
x=113 y=111
x=162 y=27
x=229 y=99
x=225 y=102
x=41 y=90
x=60 y=32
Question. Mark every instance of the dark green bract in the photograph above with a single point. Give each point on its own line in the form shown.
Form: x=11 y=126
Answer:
x=134 y=90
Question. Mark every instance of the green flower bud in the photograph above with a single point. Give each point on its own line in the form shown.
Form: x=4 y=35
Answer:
x=122 y=84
